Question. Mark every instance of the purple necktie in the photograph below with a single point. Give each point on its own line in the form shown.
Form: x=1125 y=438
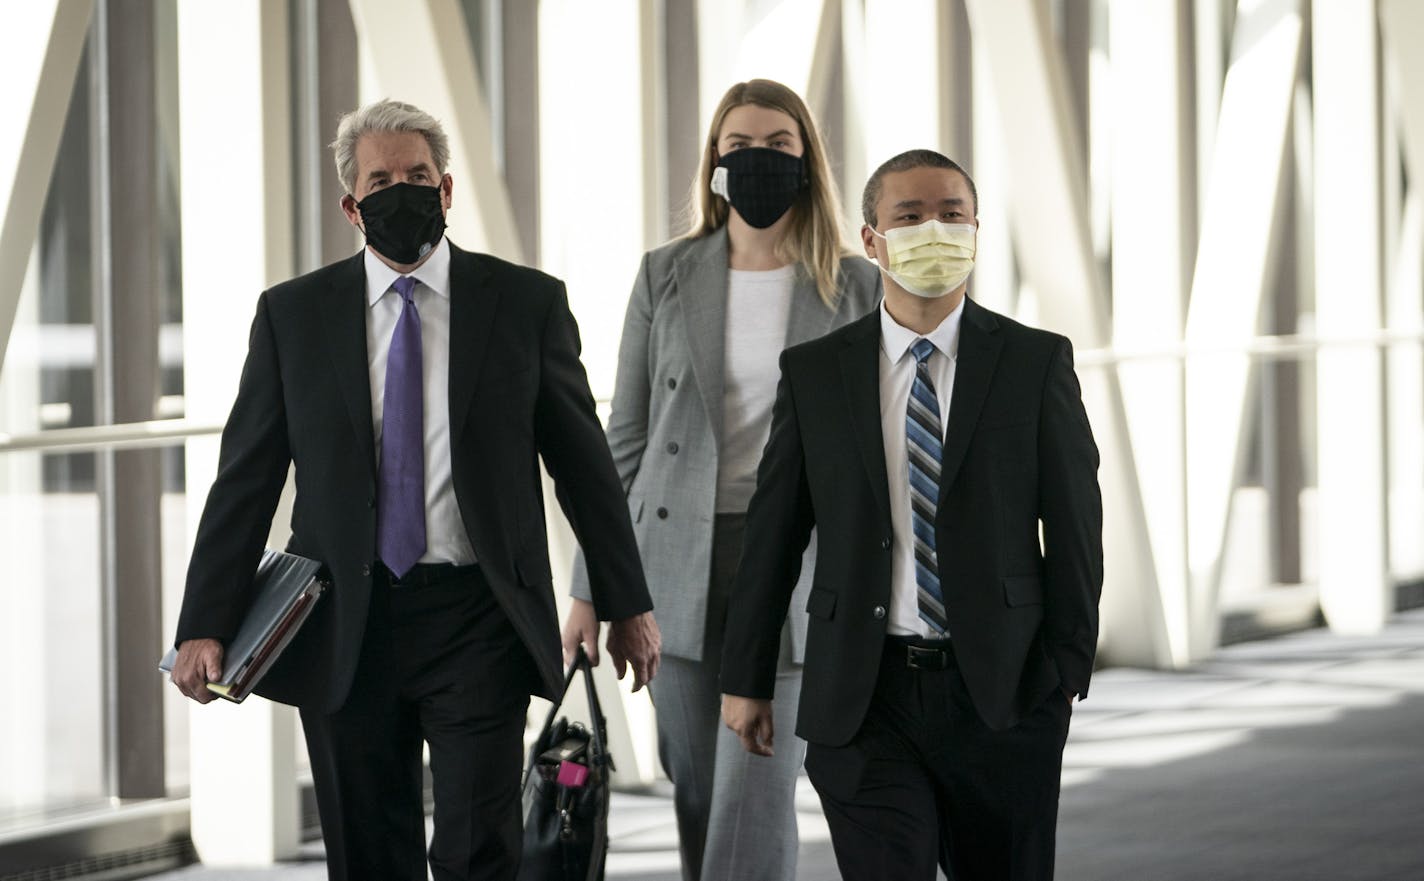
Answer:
x=400 y=505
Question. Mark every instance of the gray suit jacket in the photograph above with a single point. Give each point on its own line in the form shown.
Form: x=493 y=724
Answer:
x=665 y=429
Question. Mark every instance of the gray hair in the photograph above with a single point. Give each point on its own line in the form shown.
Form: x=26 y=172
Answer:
x=385 y=116
x=904 y=162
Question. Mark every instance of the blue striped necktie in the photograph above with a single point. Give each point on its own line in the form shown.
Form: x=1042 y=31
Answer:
x=925 y=449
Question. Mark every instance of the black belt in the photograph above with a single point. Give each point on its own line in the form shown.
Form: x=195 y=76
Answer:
x=430 y=574
x=920 y=654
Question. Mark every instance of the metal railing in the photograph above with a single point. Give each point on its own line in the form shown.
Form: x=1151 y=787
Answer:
x=170 y=432
x=126 y=436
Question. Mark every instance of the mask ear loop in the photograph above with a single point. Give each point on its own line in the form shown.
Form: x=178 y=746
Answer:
x=719 y=182
x=357 y=205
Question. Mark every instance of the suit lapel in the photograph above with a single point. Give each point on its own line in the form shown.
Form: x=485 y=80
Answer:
x=809 y=317
x=345 y=323
x=701 y=275
x=473 y=302
x=860 y=371
x=979 y=345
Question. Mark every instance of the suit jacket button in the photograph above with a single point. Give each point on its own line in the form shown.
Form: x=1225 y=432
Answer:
x=885 y=543
x=879 y=613
x=662 y=513
x=366 y=570
x=672 y=383
x=672 y=447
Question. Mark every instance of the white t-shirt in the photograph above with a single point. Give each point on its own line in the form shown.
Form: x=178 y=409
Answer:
x=758 y=309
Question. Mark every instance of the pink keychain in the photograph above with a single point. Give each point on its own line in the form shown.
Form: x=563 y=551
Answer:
x=572 y=774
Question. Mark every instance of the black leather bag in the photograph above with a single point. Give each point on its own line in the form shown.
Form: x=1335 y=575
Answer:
x=566 y=793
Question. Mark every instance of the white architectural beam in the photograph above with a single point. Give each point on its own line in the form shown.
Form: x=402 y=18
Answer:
x=1238 y=229
x=1405 y=385
x=904 y=77
x=1049 y=218
x=234 y=129
x=615 y=47
x=824 y=61
x=44 y=42
x=1356 y=593
x=996 y=282
x=1211 y=27
x=856 y=101
x=1151 y=171
x=1402 y=27
x=420 y=52
x=28 y=747
x=746 y=39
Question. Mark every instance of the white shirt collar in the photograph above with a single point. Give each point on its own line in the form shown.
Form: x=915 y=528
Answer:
x=896 y=339
x=434 y=273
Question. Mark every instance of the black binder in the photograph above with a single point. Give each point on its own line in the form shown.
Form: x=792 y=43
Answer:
x=285 y=589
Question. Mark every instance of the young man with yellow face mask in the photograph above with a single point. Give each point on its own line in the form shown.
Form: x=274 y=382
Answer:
x=930 y=444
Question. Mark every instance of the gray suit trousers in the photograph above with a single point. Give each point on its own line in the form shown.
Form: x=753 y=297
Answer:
x=736 y=814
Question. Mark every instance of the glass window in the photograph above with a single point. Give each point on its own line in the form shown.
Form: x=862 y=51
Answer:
x=51 y=661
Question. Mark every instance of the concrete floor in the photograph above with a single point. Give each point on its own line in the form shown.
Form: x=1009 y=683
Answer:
x=1295 y=758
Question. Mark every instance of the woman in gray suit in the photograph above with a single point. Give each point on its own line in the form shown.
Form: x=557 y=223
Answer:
x=763 y=267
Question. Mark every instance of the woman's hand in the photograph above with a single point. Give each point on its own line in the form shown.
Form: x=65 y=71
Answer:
x=581 y=628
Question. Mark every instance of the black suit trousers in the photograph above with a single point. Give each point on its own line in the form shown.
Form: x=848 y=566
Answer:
x=924 y=781
x=440 y=664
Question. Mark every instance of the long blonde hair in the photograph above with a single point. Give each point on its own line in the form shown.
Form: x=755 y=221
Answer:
x=813 y=238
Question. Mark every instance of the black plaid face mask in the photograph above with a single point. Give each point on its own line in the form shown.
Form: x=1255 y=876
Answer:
x=761 y=183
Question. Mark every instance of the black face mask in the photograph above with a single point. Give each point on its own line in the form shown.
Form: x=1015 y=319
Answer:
x=403 y=221
x=761 y=183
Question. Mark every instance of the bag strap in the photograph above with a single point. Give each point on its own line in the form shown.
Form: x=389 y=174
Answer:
x=595 y=709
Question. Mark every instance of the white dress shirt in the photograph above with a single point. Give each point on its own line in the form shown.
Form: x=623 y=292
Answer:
x=446 y=540
x=897 y=375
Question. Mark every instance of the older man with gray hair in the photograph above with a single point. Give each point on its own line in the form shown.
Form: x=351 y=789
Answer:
x=415 y=387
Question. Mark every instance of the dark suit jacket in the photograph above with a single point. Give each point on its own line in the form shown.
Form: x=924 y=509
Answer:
x=517 y=391
x=1018 y=452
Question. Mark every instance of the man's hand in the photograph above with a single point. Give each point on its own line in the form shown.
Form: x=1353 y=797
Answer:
x=750 y=719
x=635 y=641
x=581 y=628
x=200 y=661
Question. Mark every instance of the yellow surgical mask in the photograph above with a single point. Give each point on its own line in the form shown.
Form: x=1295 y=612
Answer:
x=931 y=259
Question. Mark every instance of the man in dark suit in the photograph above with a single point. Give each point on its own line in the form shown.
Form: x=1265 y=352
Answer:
x=415 y=387
x=928 y=444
